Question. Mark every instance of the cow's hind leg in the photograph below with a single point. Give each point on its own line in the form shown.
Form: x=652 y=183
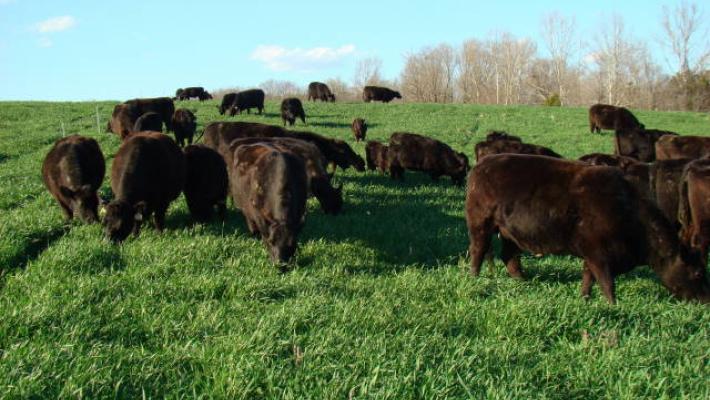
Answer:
x=159 y=218
x=587 y=281
x=479 y=244
x=602 y=273
x=510 y=254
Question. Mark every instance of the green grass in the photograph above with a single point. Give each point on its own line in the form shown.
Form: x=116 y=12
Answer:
x=379 y=305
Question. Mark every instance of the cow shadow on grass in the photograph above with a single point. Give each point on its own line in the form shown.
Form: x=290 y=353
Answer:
x=4 y=157
x=31 y=248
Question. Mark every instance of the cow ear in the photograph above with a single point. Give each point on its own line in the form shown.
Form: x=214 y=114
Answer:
x=140 y=209
x=66 y=192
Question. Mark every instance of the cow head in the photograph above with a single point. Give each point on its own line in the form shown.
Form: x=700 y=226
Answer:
x=221 y=109
x=460 y=168
x=234 y=111
x=84 y=202
x=123 y=218
x=331 y=97
x=281 y=242
x=345 y=156
x=685 y=276
x=397 y=95
x=330 y=198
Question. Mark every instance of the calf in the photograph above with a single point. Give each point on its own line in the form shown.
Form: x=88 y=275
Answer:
x=148 y=173
x=330 y=198
x=376 y=156
x=269 y=187
x=206 y=182
x=550 y=206
x=638 y=143
x=184 y=125
x=694 y=205
x=150 y=121
x=604 y=116
x=420 y=153
x=359 y=128
x=73 y=171
x=672 y=147
x=377 y=93
x=291 y=108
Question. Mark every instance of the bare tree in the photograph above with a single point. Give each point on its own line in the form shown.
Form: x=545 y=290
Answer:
x=368 y=71
x=276 y=89
x=559 y=35
x=475 y=72
x=512 y=58
x=428 y=75
x=342 y=91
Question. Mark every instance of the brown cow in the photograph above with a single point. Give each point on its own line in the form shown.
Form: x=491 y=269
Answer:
x=604 y=116
x=73 y=171
x=638 y=143
x=377 y=93
x=420 y=153
x=330 y=198
x=498 y=142
x=206 y=182
x=359 y=128
x=636 y=172
x=123 y=119
x=336 y=151
x=672 y=147
x=665 y=179
x=269 y=187
x=550 y=206
x=148 y=173
x=292 y=108
x=320 y=91
x=376 y=156
x=694 y=205
x=184 y=125
x=161 y=105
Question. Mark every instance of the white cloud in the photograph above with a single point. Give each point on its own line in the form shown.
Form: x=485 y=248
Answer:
x=44 y=42
x=55 y=24
x=278 y=58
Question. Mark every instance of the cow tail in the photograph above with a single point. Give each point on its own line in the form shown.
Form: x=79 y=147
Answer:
x=684 y=213
x=200 y=137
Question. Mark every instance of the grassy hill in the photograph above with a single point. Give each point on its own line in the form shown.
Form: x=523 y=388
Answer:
x=380 y=304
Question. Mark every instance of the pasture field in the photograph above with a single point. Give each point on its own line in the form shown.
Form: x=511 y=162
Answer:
x=379 y=305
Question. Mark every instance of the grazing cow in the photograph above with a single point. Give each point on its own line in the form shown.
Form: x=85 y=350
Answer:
x=501 y=142
x=359 y=128
x=192 y=92
x=330 y=198
x=150 y=121
x=611 y=160
x=549 y=206
x=206 y=182
x=636 y=172
x=604 y=116
x=291 y=108
x=694 y=206
x=148 y=173
x=320 y=91
x=376 y=156
x=269 y=187
x=336 y=151
x=665 y=178
x=123 y=119
x=377 y=93
x=227 y=101
x=184 y=125
x=421 y=153
x=246 y=100
x=638 y=143
x=73 y=171
x=161 y=105
x=671 y=147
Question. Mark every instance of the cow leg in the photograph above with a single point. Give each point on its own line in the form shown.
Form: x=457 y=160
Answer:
x=222 y=210
x=510 y=254
x=606 y=281
x=252 y=226
x=66 y=211
x=479 y=236
x=159 y=218
x=587 y=281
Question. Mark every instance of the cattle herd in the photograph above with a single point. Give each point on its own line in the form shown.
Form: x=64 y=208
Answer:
x=646 y=204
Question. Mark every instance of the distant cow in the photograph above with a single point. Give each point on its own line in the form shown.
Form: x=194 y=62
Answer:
x=359 y=128
x=150 y=121
x=123 y=119
x=320 y=91
x=671 y=147
x=148 y=173
x=376 y=156
x=193 y=92
x=291 y=108
x=377 y=93
x=206 y=182
x=184 y=125
x=694 y=207
x=227 y=101
x=73 y=171
x=549 y=206
x=246 y=100
x=604 y=116
x=421 y=153
x=161 y=105
x=330 y=198
x=269 y=187
x=500 y=142
x=335 y=151
x=638 y=143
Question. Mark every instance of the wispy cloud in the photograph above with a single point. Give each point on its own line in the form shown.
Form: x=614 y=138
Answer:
x=278 y=58
x=3 y=2
x=44 y=42
x=55 y=24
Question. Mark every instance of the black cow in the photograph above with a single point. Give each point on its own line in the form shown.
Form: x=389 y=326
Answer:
x=246 y=100
x=291 y=108
x=184 y=125
x=320 y=91
x=161 y=105
x=206 y=182
x=421 y=153
x=377 y=93
x=150 y=121
x=605 y=116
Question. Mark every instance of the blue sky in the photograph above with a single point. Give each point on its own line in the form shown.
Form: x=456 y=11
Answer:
x=87 y=49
